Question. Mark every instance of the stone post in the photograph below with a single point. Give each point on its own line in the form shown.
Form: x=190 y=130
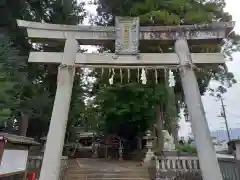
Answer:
x=2 y=145
x=237 y=143
x=120 y=151
x=237 y=155
x=139 y=142
x=95 y=149
x=206 y=153
x=55 y=139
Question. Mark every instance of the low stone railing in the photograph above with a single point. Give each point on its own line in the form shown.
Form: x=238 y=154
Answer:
x=35 y=162
x=170 y=166
x=173 y=163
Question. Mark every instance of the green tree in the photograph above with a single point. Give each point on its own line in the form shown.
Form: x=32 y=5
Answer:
x=152 y=13
x=32 y=94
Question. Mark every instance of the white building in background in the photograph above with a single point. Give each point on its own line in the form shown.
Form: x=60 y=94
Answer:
x=221 y=148
x=220 y=145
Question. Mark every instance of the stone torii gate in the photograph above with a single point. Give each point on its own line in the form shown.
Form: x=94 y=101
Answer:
x=127 y=34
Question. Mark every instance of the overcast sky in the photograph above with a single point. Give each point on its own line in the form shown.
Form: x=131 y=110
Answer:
x=231 y=98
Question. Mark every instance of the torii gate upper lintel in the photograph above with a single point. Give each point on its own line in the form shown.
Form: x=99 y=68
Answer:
x=127 y=35
x=94 y=35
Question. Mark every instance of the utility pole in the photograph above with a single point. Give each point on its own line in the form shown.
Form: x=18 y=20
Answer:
x=223 y=114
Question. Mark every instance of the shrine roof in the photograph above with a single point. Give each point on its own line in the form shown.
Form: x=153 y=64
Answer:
x=15 y=139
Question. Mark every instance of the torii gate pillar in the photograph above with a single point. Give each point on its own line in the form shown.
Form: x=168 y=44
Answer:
x=55 y=139
x=206 y=153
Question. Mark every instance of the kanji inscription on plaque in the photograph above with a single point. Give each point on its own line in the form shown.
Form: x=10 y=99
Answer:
x=127 y=35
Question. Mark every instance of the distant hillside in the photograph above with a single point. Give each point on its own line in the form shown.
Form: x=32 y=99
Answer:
x=222 y=134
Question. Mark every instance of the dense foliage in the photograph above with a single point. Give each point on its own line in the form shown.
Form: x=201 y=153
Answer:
x=29 y=89
x=120 y=107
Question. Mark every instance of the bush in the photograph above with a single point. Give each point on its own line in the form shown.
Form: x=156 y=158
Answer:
x=186 y=148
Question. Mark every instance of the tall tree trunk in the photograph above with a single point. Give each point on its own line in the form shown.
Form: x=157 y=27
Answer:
x=86 y=126
x=139 y=142
x=160 y=137
x=24 y=124
x=172 y=110
x=175 y=132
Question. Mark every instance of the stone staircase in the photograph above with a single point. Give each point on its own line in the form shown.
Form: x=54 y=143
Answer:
x=96 y=169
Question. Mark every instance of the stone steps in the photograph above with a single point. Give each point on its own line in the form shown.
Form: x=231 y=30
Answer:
x=103 y=178
x=105 y=170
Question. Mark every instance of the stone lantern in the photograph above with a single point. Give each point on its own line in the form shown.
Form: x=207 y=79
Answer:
x=149 y=145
